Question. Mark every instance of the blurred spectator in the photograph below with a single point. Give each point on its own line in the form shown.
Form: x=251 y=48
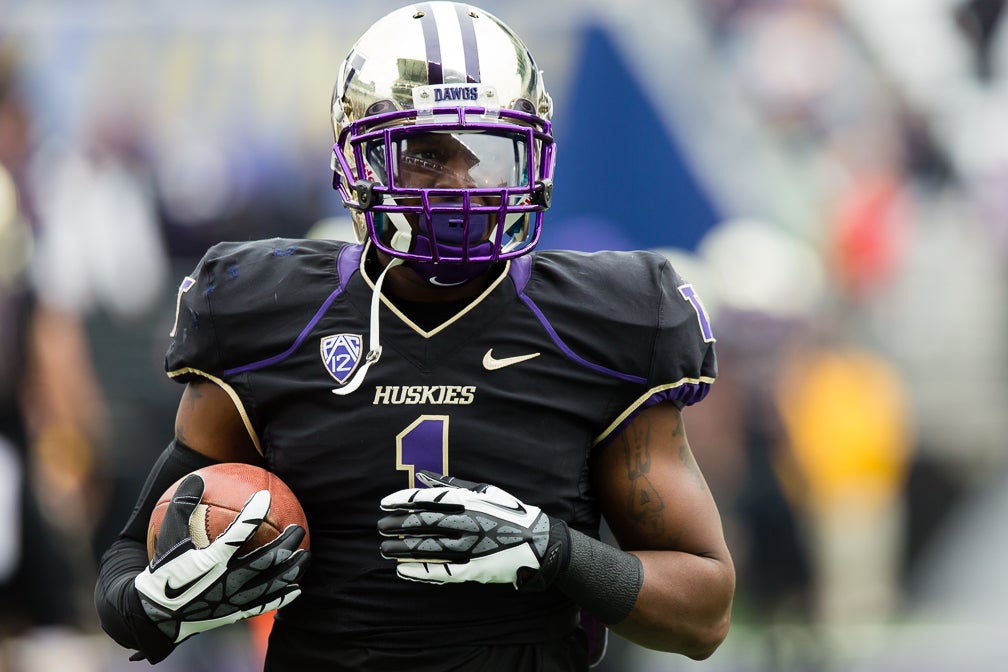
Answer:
x=51 y=416
x=101 y=256
x=100 y=245
x=846 y=414
x=761 y=285
x=980 y=21
x=742 y=447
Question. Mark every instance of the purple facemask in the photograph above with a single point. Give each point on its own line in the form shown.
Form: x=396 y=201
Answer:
x=518 y=205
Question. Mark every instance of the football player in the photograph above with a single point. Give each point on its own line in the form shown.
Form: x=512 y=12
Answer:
x=456 y=413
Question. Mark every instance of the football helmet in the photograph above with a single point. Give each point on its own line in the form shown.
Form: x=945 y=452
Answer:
x=443 y=148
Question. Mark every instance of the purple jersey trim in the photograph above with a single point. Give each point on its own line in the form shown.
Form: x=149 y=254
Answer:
x=347 y=262
x=521 y=270
x=687 y=394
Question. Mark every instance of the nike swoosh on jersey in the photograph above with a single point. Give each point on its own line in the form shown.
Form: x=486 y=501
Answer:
x=435 y=281
x=491 y=363
x=171 y=592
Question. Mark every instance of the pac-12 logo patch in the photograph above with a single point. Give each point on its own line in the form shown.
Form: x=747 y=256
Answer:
x=341 y=353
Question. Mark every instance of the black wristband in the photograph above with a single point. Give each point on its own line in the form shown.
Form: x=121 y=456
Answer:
x=601 y=579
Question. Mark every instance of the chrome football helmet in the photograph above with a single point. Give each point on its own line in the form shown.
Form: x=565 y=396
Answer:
x=443 y=150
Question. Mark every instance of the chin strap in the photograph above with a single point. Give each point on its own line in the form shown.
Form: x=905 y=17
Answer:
x=375 y=350
x=402 y=238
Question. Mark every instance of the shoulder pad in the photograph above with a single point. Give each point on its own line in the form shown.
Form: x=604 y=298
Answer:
x=244 y=300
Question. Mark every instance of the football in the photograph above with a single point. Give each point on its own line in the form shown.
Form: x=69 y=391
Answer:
x=227 y=487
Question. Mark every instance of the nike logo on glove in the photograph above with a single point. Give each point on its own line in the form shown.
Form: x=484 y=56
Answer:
x=171 y=592
x=491 y=363
x=517 y=508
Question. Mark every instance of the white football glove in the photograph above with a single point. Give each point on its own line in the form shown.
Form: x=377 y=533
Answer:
x=458 y=531
x=186 y=590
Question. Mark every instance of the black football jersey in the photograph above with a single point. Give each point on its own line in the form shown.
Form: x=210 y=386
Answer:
x=517 y=389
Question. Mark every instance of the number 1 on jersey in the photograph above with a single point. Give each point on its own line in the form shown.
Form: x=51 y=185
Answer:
x=690 y=295
x=423 y=445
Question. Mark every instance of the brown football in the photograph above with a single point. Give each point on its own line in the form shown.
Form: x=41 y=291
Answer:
x=228 y=487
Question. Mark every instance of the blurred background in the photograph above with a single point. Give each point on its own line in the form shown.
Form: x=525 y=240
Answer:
x=830 y=175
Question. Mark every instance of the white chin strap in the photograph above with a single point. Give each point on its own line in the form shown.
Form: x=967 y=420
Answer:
x=403 y=236
x=374 y=344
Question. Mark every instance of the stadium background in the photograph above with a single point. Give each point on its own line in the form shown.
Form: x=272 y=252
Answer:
x=832 y=175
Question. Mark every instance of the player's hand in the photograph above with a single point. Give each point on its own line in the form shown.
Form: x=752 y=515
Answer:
x=186 y=590
x=457 y=530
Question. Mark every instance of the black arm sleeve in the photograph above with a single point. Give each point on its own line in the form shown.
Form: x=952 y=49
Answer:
x=119 y=610
x=175 y=461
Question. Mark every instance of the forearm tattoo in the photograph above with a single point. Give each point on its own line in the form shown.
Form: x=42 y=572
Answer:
x=646 y=504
